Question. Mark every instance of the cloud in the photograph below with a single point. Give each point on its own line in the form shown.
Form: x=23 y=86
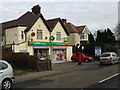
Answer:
x=59 y=0
x=96 y=15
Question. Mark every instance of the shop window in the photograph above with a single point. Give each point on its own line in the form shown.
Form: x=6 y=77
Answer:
x=39 y=34
x=41 y=54
x=22 y=34
x=58 y=35
x=59 y=55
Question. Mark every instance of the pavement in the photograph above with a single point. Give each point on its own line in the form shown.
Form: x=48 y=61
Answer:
x=57 y=68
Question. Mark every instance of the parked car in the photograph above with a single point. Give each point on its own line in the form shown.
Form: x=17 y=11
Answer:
x=85 y=57
x=6 y=75
x=109 y=58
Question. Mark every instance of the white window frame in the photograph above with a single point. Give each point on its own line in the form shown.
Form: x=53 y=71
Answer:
x=83 y=36
x=39 y=34
x=58 y=36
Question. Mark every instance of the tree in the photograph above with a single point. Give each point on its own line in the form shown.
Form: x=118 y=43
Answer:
x=98 y=38
x=110 y=37
x=105 y=36
x=117 y=32
x=91 y=39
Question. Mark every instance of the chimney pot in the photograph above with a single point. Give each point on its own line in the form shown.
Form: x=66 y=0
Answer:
x=36 y=9
x=64 y=21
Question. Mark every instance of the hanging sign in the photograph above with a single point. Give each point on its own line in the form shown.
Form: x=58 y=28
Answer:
x=51 y=38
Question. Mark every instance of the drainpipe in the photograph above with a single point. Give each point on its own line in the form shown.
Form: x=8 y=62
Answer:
x=50 y=54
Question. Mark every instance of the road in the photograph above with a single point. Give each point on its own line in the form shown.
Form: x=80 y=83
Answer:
x=87 y=75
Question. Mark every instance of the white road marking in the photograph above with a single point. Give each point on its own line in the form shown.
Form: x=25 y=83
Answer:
x=108 y=78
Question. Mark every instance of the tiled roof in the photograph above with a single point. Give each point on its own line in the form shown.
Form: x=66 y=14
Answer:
x=28 y=19
x=71 y=28
x=80 y=28
x=53 y=22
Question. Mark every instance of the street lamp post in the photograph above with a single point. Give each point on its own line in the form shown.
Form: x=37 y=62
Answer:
x=82 y=48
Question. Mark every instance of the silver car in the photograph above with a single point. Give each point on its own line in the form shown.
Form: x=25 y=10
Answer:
x=109 y=58
x=6 y=75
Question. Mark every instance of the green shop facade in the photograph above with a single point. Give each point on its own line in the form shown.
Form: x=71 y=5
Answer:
x=55 y=51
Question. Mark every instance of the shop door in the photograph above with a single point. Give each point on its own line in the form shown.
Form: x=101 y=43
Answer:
x=59 y=55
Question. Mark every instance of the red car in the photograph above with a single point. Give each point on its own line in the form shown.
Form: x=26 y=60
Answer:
x=76 y=56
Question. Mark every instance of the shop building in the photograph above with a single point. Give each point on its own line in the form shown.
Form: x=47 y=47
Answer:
x=59 y=32
x=32 y=34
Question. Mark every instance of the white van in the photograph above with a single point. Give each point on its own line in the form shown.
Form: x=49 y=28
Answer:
x=6 y=75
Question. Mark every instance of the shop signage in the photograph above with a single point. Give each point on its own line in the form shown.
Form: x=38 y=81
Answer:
x=51 y=38
x=38 y=43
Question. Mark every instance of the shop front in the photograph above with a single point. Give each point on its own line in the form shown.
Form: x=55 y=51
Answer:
x=41 y=52
x=57 y=52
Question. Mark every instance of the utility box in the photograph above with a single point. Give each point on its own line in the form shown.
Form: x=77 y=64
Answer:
x=44 y=64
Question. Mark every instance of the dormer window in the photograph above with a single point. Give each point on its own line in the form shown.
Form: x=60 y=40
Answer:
x=22 y=34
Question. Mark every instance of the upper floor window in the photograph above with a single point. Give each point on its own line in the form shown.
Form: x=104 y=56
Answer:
x=83 y=36
x=22 y=34
x=39 y=34
x=58 y=35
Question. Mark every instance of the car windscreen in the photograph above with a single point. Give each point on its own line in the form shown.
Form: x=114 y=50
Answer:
x=105 y=55
x=76 y=54
x=86 y=55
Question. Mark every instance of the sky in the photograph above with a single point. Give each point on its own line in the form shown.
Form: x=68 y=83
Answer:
x=96 y=14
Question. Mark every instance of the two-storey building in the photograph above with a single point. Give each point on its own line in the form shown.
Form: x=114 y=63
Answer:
x=32 y=34
x=78 y=34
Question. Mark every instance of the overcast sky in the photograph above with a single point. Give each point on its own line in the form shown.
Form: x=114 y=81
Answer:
x=96 y=15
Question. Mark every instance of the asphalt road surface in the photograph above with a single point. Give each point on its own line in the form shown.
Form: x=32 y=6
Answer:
x=87 y=75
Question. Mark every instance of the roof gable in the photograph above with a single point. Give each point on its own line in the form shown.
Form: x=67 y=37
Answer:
x=28 y=19
x=71 y=28
x=53 y=22
x=80 y=28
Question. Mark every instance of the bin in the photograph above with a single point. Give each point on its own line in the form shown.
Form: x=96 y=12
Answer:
x=44 y=65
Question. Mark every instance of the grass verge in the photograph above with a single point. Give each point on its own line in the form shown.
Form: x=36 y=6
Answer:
x=19 y=72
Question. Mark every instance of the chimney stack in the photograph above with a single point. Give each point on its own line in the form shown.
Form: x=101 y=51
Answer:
x=36 y=9
x=64 y=21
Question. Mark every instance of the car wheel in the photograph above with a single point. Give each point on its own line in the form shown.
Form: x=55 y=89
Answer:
x=113 y=63
x=101 y=64
x=73 y=60
x=79 y=63
x=86 y=60
x=6 y=84
x=118 y=62
x=89 y=60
